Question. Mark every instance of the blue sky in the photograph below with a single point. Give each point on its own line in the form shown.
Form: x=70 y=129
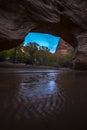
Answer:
x=43 y=39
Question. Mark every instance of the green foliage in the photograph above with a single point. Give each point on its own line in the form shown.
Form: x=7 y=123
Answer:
x=31 y=51
x=2 y=56
x=66 y=60
x=36 y=55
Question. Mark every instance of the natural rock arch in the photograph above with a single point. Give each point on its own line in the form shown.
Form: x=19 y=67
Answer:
x=65 y=18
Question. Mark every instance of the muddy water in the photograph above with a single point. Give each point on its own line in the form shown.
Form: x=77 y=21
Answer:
x=43 y=99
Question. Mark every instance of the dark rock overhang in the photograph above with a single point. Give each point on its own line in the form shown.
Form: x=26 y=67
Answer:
x=65 y=18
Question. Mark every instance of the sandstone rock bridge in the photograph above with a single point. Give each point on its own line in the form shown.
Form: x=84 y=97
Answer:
x=64 y=18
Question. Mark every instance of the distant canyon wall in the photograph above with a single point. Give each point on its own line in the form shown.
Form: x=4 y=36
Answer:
x=64 y=18
x=63 y=48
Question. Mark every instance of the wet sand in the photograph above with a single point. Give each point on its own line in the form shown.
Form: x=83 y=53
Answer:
x=43 y=99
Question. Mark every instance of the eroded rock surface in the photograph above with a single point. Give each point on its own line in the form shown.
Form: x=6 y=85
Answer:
x=63 y=48
x=65 y=18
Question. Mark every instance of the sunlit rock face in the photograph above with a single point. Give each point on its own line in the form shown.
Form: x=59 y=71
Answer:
x=63 y=48
x=65 y=18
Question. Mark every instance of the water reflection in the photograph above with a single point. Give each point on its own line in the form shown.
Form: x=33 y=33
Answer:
x=36 y=88
x=52 y=86
x=52 y=98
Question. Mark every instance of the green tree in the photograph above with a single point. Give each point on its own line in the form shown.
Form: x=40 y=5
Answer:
x=31 y=49
x=43 y=55
x=66 y=60
x=2 y=56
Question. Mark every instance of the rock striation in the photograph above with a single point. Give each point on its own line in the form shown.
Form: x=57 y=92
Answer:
x=63 y=48
x=65 y=18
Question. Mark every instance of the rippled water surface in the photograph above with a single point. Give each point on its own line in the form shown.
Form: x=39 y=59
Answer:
x=43 y=99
